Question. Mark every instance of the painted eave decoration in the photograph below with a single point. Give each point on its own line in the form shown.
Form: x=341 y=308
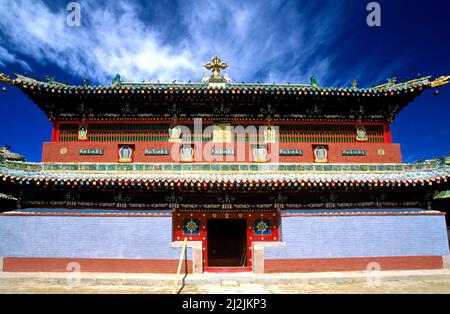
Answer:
x=7 y=197
x=407 y=175
x=442 y=195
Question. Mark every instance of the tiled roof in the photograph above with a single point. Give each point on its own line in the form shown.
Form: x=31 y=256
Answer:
x=400 y=174
x=99 y=212
x=201 y=99
x=160 y=212
x=360 y=211
x=156 y=87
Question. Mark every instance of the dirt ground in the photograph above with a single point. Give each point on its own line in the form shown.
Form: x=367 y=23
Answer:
x=399 y=285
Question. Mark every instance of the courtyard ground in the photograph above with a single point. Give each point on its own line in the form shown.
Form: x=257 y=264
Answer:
x=424 y=281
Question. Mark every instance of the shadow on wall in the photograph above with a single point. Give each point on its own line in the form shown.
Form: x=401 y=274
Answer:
x=448 y=236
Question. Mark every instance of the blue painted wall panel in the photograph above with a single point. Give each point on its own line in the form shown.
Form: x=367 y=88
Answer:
x=87 y=237
x=361 y=236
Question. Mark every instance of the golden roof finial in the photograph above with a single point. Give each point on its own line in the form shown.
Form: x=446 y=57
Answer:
x=4 y=78
x=216 y=65
x=440 y=81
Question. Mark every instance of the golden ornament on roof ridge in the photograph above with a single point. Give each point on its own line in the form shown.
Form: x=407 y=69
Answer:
x=215 y=65
x=440 y=81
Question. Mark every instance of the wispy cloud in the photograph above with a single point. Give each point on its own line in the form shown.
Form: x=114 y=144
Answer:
x=261 y=40
x=8 y=58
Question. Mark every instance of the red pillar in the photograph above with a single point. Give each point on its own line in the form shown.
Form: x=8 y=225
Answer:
x=387 y=133
x=54 y=132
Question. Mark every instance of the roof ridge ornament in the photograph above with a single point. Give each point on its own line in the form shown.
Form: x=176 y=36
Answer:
x=116 y=81
x=215 y=65
x=5 y=78
x=392 y=80
x=85 y=81
x=314 y=82
x=51 y=81
x=440 y=81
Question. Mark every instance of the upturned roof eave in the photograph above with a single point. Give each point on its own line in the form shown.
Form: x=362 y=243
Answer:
x=423 y=82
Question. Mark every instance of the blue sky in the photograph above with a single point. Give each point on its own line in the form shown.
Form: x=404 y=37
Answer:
x=265 y=41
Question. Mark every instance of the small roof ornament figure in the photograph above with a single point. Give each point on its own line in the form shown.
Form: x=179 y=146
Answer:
x=314 y=81
x=116 y=81
x=6 y=154
x=50 y=79
x=392 y=80
x=85 y=81
x=355 y=84
x=205 y=78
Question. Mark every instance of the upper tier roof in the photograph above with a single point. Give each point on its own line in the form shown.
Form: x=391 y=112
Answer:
x=216 y=96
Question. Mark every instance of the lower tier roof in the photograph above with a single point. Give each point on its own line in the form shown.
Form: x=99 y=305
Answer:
x=436 y=171
x=159 y=212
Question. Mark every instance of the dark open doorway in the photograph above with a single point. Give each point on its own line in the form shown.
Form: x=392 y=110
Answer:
x=227 y=242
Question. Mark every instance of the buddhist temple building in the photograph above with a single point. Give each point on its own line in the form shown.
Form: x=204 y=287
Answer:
x=257 y=177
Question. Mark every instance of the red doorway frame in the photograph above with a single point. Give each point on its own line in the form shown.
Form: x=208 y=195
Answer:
x=203 y=216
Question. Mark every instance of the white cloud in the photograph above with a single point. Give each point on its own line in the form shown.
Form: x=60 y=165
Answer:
x=7 y=57
x=266 y=40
